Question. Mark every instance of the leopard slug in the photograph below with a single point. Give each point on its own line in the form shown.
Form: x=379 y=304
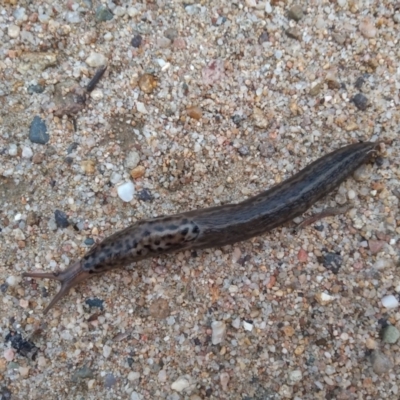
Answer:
x=215 y=226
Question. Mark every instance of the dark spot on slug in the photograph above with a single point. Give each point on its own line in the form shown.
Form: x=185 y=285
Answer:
x=139 y=252
x=160 y=248
x=134 y=244
x=172 y=227
x=169 y=236
x=159 y=228
x=184 y=232
x=146 y=233
x=91 y=272
x=196 y=230
x=102 y=245
x=185 y=221
x=86 y=265
x=157 y=242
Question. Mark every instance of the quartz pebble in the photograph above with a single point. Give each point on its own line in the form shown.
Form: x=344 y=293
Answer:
x=324 y=298
x=133 y=376
x=126 y=191
x=132 y=159
x=13 y=31
x=27 y=152
x=147 y=83
x=381 y=364
x=182 y=383
x=390 y=334
x=224 y=379
x=390 y=301
x=218 y=332
x=367 y=28
x=106 y=351
x=96 y=60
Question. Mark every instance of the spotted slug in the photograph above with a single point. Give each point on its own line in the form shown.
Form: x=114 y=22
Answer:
x=215 y=226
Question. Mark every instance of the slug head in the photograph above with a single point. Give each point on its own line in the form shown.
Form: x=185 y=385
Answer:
x=68 y=279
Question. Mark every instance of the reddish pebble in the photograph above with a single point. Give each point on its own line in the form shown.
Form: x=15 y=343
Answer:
x=375 y=246
x=302 y=256
x=179 y=43
x=9 y=354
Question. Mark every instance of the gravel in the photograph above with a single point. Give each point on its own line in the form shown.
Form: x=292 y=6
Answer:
x=201 y=104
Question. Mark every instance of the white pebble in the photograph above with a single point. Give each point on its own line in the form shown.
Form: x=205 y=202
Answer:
x=13 y=31
x=342 y=3
x=236 y=323
x=162 y=376
x=181 y=383
x=106 y=351
x=27 y=152
x=132 y=159
x=12 y=149
x=9 y=354
x=108 y=37
x=133 y=376
x=126 y=191
x=295 y=376
x=97 y=94
x=390 y=301
x=115 y=178
x=141 y=107
x=218 y=332
x=224 y=379
x=248 y=326
x=96 y=60
x=132 y=12
x=19 y=14
x=119 y=11
x=351 y=194
x=268 y=8
x=136 y=396
x=12 y=280
x=383 y=263
x=367 y=28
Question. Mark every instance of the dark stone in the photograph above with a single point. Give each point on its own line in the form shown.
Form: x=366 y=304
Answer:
x=109 y=381
x=89 y=242
x=237 y=119
x=319 y=228
x=61 y=219
x=331 y=261
x=23 y=347
x=103 y=14
x=145 y=195
x=4 y=287
x=5 y=394
x=95 y=303
x=244 y=151
x=171 y=34
x=264 y=37
x=359 y=82
x=136 y=41
x=38 y=131
x=130 y=361
x=72 y=147
x=360 y=101
x=82 y=373
x=35 y=89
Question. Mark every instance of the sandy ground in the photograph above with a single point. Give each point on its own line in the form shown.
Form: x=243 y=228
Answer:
x=201 y=104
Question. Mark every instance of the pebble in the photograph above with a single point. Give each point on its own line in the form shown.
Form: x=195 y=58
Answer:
x=132 y=11
x=194 y=112
x=147 y=83
x=133 y=376
x=24 y=371
x=12 y=150
x=224 y=379
x=138 y=172
x=126 y=191
x=119 y=11
x=106 y=351
x=259 y=119
x=132 y=159
x=236 y=323
x=61 y=219
x=324 y=298
x=96 y=60
x=390 y=334
x=218 y=332
x=360 y=101
x=248 y=326
x=73 y=17
x=162 y=376
x=145 y=195
x=244 y=151
x=88 y=166
x=82 y=373
x=109 y=381
x=9 y=354
x=103 y=14
x=367 y=28
x=35 y=89
x=136 y=396
x=383 y=263
x=13 y=31
x=12 y=280
x=95 y=302
x=332 y=262
x=295 y=377
x=89 y=242
x=38 y=131
x=380 y=362
x=375 y=246
x=294 y=33
x=296 y=13
x=390 y=301
x=171 y=34
x=27 y=152
x=263 y=38
x=96 y=94
x=115 y=177
x=141 y=107
x=136 y=41
x=181 y=383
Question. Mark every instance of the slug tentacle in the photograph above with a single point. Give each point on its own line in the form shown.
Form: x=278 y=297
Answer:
x=68 y=278
x=216 y=226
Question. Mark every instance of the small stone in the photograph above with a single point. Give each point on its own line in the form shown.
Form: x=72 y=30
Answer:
x=119 y=11
x=96 y=60
x=339 y=37
x=302 y=255
x=132 y=11
x=316 y=89
x=115 y=177
x=145 y=195
x=360 y=101
x=9 y=354
x=390 y=301
x=27 y=152
x=179 y=43
x=324 y=298
x=61 y=219
x=35 y=89
x=383 y=263
x=182 y=383
x=390 y=334
x=73 y=17
x=141 y=107
x=136 y=41
x=89 y=242
x=224 y=379
x=13 y=31
x=375 y=246
x=296 y=13
x=132 y=159
x=136 y=396
x=162 y=376
x=218 y=332
x=213 y=72
x=171 y=34
x=259 y=119
x=13 y=150
x=95 y=302
x=96 y=94
x=248 y=326
x=295 y=377
x=12 y=280
x=103 y=14
x=147 y=83
x=82 y=373
x=194 y=112
x=380 y=362
x=332 y=262
x=263 y=38
x=126 y=191
x=367 y=28
x=109 y=381
x=133 y=376
x=24 y=371
x=266 y=150
x=163 y=43
x=138 y=172
x=333 y=84
x=236 y=323
x=38 y=131
x=106 y=351
x=294 y=33
x=88 y=166
x=299 y=350
x=244 y=151
x=288 y=330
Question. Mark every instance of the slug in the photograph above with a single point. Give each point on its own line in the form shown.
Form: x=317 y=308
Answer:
x=215 y=226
